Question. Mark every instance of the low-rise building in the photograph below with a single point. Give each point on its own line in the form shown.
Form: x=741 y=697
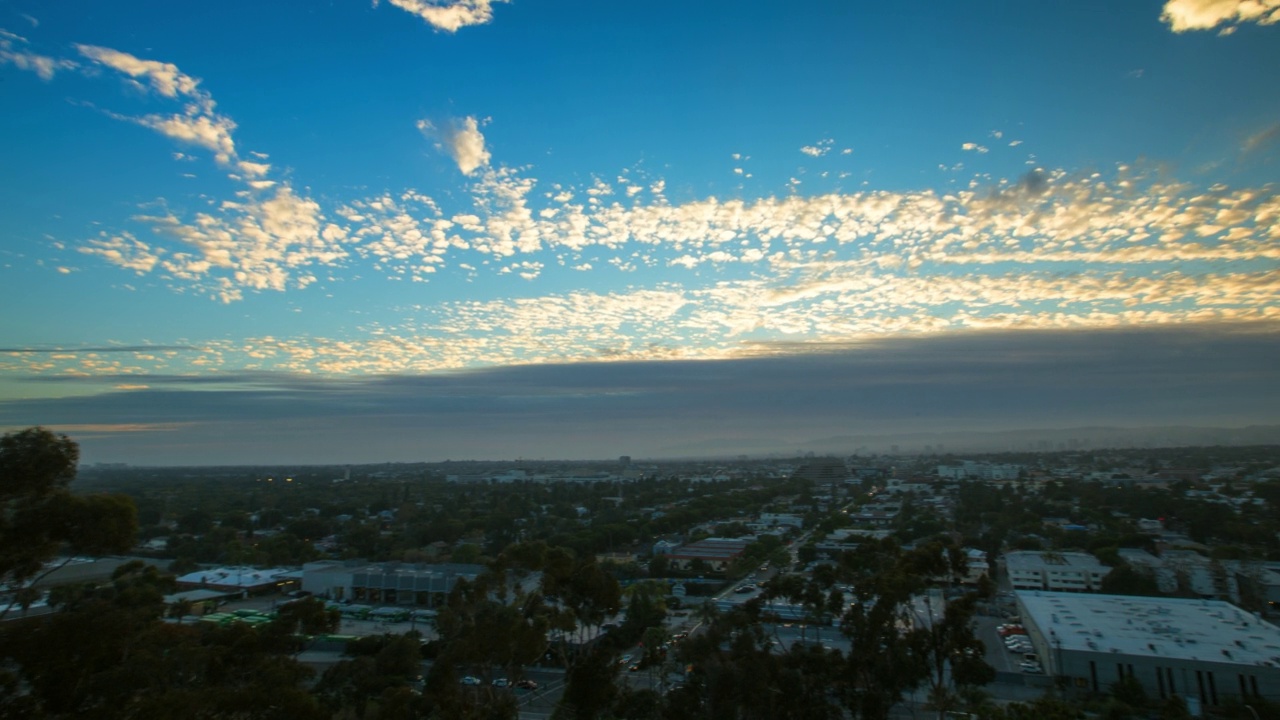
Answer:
x=1206 y=651
x=1066 y=571
x=385 y=583
x=715 y=553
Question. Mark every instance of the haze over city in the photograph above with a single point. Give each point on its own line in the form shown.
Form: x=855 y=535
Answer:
x=401 y=231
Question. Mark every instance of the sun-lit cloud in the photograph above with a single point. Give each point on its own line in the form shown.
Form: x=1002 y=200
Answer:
x=250 y=243
x=1184 y=15
x=448 y=15
x=974 y=147
x=461 y=140
x=165 y=78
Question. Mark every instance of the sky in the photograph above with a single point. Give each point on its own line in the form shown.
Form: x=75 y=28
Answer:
x=408 y=230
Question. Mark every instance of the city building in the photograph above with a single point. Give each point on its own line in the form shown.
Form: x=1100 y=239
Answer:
x=715 y=553
x=1069 y=571
x=1205 y=651
x=385 y=583
x=976 y=566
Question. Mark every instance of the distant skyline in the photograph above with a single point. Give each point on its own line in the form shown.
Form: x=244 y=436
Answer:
x=417 y=230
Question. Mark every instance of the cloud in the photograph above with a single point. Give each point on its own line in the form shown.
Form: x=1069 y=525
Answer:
x=198 y=124
x=98 y=349
x=448 y=15
x=818 y=149
x=975 y=147
x=461 y=140
x=1024 y=379
x=1184 y=15
x=211 y=132
x=1261 y=139
x=164 y=78
x=13 y=52
x=252 y=242
x=1050 y=249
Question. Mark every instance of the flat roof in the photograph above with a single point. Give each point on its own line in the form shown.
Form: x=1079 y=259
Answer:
x=1186 y=629
x=711 y=548
x=1037 y=559
x=241 y=577
x=395 y=568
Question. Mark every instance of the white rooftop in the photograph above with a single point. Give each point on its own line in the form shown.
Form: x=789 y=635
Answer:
x=233 y=576
x=1204 y=630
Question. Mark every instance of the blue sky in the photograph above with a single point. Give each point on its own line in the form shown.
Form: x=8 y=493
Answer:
x=250 y=220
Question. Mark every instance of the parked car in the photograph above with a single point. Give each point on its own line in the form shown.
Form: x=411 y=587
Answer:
x=526 y=685
x=470 y=680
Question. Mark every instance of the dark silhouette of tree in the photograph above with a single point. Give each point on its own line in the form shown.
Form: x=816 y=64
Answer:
x=39 y=516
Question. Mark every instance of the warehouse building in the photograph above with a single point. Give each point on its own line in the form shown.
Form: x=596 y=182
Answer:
x=1204 y=651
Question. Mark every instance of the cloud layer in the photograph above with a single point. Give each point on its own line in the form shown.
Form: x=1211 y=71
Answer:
x=986 y=381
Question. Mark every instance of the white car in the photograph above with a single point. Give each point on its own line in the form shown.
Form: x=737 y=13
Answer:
x=1031 y=667
x=470 y=680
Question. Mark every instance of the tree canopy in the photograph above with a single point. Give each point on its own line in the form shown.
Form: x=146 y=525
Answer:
x=39 y=515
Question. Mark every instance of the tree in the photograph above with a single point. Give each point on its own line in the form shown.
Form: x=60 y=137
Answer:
x=309 y=616
x=39 y=516
x=951 y=652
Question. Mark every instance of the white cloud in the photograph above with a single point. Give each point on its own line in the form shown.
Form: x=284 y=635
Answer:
x=248 y=243
x=12 y=53
x=1184 y=15
x=461 y=140
x=198 y=124
x=165 y=78
x=818 y=149
x=975 y=147
x=124 y=251
x=212 y=132
x=448 y=15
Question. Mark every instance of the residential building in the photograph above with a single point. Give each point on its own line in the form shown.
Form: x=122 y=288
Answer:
x=1068 y=571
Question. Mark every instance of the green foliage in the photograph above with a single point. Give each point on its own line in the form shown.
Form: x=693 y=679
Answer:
x=308 y=616
x=39 y=516
x=1124 y=579
x=1129 y=691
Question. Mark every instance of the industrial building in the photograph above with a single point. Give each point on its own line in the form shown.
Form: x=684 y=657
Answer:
x=1204 y=651
x=239 y=581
